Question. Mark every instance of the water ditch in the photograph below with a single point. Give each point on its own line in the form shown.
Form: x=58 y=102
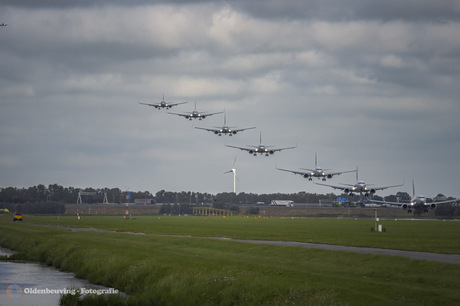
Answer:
x=28 y=283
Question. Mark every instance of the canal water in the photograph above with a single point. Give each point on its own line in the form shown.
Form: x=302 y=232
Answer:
x=26 y=283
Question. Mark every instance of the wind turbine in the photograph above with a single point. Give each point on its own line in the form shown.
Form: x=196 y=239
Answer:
x=234 y=175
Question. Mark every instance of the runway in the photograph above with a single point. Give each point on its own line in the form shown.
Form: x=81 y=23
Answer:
x=446 y=258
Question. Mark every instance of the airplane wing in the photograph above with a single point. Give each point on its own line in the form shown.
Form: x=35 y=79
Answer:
x=338 y=173
x=388 y=203
x=210 y=114
x=183 y=115
x=335 y=187
x=149 y=104
x=209 y=130
x=445 y=202
x=241 y=148
x=428 y=203
x=174 y=104
x=244 y=129
x=295 y=172
x=386 y=187
x=281 y=149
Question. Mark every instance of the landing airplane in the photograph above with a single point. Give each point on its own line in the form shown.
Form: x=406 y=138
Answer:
x=317 y=172
x=261 y=148
x=3 y=25
x=163 y=104
x=417 y=202
x=195 y=114
x=359 y=187
x=225 y=129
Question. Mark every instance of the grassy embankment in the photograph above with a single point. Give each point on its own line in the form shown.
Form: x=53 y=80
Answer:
x=155 y=269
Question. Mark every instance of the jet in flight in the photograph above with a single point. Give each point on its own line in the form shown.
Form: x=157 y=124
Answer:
x=163 y=104
x=417 y=202
x=261 y=148
x=318 y=172
x=3 y=25
x=359 y=187
x=225 y=129
x=195 y=114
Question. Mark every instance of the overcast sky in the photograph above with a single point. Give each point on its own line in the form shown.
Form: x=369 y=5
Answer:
x=373 y=85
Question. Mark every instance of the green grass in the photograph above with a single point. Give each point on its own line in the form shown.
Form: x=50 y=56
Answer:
x=426 y=236
x=166 y=270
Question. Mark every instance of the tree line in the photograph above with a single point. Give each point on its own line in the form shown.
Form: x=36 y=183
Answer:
x=67 y=195
x=52 y=198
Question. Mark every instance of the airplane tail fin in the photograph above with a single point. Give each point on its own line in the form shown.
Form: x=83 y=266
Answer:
x=413 y=188
x=356 y=173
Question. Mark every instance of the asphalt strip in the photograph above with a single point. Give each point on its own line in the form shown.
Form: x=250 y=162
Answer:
x=445 y=258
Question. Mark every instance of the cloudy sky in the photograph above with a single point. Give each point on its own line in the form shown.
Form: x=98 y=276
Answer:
x=373 y=85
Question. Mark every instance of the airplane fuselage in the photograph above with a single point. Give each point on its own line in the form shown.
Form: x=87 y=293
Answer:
x=359 y=187
x=318 y=172
x=225 y=130
x=195 y=115
x=418 y=202
x=261 y=149
x=162 y=104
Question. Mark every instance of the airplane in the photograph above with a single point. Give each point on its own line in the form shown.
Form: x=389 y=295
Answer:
x=359 y=187
x=163 y=104
x=3 y=25
x=261 y=148
x=225 y=129
x=195 y=114
x=317 y=172
x=417 y=202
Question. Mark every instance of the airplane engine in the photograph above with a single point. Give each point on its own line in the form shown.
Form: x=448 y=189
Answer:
x=329 y=176
x=203 y=117
x=233 y=132
x=271 y=152
x=347 y=190
x=187 y=117
x=372 y=191
x=404 y=206
x=216 y=132
x=305 y=175
x=433 y=206
x=251 y=151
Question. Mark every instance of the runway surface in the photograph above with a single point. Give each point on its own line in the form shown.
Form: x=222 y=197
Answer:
x=446 y=258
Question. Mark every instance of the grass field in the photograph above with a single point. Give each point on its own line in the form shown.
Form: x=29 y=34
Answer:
x=427 y=236
x=172 y=270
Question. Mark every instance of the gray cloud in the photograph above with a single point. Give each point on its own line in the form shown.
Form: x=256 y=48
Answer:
x=369 y=86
